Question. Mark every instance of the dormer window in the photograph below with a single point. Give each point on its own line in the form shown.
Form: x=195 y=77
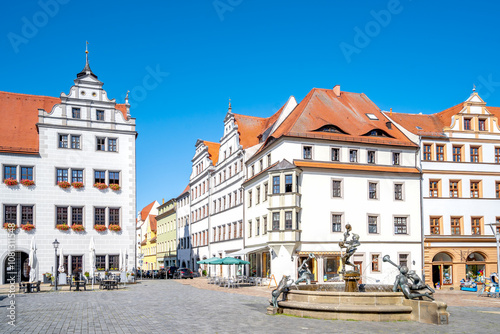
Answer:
x=99 y=115
x=466 y=123
x=330 y=128
x=377 y=133
x=372 y=117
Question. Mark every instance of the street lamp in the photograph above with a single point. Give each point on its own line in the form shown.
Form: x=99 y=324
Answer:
x=497 y=237
x=56 y=244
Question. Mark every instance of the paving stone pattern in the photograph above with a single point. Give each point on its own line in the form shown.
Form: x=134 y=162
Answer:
x=167 y=306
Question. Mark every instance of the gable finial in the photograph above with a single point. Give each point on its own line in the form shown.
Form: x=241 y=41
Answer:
x=473 y=88
x=86 y=52
x=229 y=108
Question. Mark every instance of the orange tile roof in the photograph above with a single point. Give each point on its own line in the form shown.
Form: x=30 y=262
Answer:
x=145 y=211
x=152 y=222
x=360 y=167
x=250 y=128
x=348 y=113
x=19 y=115
x=185 y=190
x=213 y=151
x=123 y=109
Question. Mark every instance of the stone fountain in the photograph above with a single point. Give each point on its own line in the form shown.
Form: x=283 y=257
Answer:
x=409 y=299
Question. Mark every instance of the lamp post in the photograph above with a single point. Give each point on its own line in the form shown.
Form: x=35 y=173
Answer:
x=56 y=244
x=497 y=237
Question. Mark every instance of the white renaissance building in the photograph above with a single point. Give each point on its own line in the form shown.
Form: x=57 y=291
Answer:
x=68 y=172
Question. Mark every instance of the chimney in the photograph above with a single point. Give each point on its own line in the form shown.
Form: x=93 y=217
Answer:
x=163 y=201
x=336 y=90
x=390 y=113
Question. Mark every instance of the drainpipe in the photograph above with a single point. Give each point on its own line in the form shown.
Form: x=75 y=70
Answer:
x=417 y=154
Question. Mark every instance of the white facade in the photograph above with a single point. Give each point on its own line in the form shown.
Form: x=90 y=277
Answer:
x=82 y=138
x=184 y=230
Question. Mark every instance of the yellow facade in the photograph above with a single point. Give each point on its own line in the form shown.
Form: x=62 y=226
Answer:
x=149 y=249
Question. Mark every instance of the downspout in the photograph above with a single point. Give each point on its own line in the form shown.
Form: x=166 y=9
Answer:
x=417 y=155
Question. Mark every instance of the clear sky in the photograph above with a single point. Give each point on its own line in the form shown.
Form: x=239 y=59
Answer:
x=183 y=60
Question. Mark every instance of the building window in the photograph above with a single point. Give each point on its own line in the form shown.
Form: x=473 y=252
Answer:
x=457 y=153
x=398 y=191
x=475 y=226
x=396 y=158
x=62 y=175
x=403 y=260
x=276 y=221
x=336 y=222
x=371 y=157
x=497 y=155
x=27 y=173
x=257 y=200
x=249 y=229
x=63 y=141
x=455 y=225
x=454 y=188
x=440 y=152
x=261 y=165
x=114 y=261
x=77 y=175
x=10 y=172
x=26 y=214
x=372 y=190
x=474 y=189
x=76 y=263
x=112 y=144
x=99 y=176
x=353 y=155
x=307 y=152
x=99 y=115
x=75 y=112
x=288 y=183
x=10 y=215
x=372 y=224
x=434 y=188
x=249 y=198
x=375 y=262
x=269 y=160
x=99 y=216
x=497 y=189
x=257 y=226
x=435 y=225
x=114 y=178
x=76 y=216
x=75 y=142
x=114 y=216
x=101 y=144
x=276 y=184
x=61 y=215
x=427 y=152
x=252 y=174
x=336 y=188
x=466 y=123
x=498 y=224
x=264 y=223
x=335 y=154
x=288 y=220
x=474 y=154
x=482 y=125
x=400 y=226
x=240 y=229
x=100 y=262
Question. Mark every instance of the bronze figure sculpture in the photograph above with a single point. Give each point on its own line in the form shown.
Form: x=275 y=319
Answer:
x=304 y=272
x=283 y=287
x=402 y=282
x=350 y=248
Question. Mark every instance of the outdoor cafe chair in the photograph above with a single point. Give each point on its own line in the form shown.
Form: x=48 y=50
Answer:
x=22 y=287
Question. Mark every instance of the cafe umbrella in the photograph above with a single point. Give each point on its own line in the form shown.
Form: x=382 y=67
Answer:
x=208 y=261
x=229 y=261
x=33 y=261
x=92 y=260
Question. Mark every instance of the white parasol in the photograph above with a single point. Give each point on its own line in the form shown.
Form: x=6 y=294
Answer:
x=92 y=260
x=33 y=262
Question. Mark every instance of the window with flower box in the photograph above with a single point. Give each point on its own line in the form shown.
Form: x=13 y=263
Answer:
x=76 y=175
x=62 y=215
x=100 y=176
x=114 y=178
x=114 y=216
x=76 y=216
x=27 y=173
x=100 y=216
x=10 y=172
x=10 y=214
x=26 y=214
x=100 y=262
x=63 y=141
x=61 y=175
x=114 y=262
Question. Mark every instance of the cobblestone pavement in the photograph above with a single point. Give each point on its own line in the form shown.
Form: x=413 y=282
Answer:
x=168 y=306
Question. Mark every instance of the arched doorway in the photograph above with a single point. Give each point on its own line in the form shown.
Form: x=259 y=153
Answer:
x=16 y=266
x=183 y=264
x=442 y=269
x=475 y=266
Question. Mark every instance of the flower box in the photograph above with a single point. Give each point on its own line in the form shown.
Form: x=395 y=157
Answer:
x=77 y=228
x=10 y=182
x=9 y=226
x=115 y=187
x=27 y=183
x=100 y=228
x=62 y=227
x=28 y=227
x=100 y=186
x=77 y=185
x=64 y=184
x=115 y=228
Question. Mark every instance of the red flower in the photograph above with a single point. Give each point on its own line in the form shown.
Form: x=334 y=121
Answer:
x=77 y=228
x=64 y=184
x=9 y=226
x=77 y=185
x=28 y=227
x=115 y=187
x=10 y=182
x=100 y=228
x=27 y=183
x=100 y=186
x=62 y=227
x=115 y=227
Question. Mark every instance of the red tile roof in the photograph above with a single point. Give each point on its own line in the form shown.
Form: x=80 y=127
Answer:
x=123 y=109
x=152 y=222
x=213 y=151
x=249 y=128
x=347 y=112
x=145 y=211
x=185 y=190
x=19 y=115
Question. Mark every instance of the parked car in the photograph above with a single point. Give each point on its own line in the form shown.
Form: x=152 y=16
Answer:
x=171 y=271
x=184 y=273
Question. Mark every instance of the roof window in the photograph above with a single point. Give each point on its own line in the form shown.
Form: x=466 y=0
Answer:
x=372 y=117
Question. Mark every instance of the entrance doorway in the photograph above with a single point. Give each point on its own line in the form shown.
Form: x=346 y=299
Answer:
x=17 y=267
x=442 y=269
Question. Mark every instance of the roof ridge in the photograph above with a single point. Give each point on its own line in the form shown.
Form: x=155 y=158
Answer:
x=52 y=97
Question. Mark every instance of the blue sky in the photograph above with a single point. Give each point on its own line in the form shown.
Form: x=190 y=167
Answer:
x=414 y=56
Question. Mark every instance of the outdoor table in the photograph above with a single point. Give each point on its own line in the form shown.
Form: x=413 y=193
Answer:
x=77 y=283
x=107 y=284
x=27 y=285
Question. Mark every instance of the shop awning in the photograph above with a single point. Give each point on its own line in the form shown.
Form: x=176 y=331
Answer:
x=245 y=251
x=301 y=253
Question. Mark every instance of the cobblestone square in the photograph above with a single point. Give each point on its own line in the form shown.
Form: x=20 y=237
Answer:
x=167 y=306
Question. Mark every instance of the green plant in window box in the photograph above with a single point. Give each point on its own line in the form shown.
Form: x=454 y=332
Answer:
x=28 y=227
x=77 y=228
x=64 y=184
x=27 y=183
x=62 y=227
x=115 y=227
x=86 y=274
x=10 y=182
x=100 y=186
x=9 y=226
x=115 y=187
x=77 y=185
x=100 y=228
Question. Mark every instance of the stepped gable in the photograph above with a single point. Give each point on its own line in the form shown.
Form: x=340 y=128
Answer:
x=213 y=151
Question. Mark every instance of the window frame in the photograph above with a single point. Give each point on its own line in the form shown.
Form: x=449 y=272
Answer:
x=460 y=225
x=353 y=153
x=340 y=190
x=427 y=152
x=101 y=215
x=375 y=267
x=333 y=223
x=457 y=157
x=10 y=172
x=478 y=226
x=375 y=192
x=335 y=155
x=77 y=143
x=289 y=222
x=115 y=145
x=288 y=184
x=13 y=214
x=371 y=157
x=100 y=115
x=369 y=223
x=435 y=192
x=63 y=140
x=97 y=144
x=73 y=214
x=307 y=152
x=76 y=113
x=276 y=227
x=458 y=189
x=440 y=154
x=396 y=158
x=402 y=192
x=60 y=216
x=435 y=225
x=62 y=176
x=276 y=185
x=406 y=225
